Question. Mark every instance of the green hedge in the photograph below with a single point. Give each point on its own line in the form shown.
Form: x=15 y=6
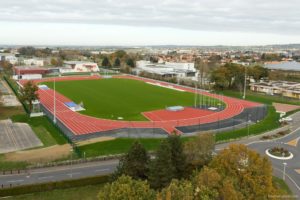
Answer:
x=26 y=189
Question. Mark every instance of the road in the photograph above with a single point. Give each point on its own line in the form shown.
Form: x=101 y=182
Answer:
x=59 y=173
x=106 y=167
x=290 y=142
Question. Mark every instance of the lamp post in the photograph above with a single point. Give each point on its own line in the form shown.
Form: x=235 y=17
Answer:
x=54 y=100
x=245 y=83
x=284 y=166
x=248 y=122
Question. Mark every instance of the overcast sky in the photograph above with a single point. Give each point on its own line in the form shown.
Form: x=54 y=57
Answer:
x=149 y=22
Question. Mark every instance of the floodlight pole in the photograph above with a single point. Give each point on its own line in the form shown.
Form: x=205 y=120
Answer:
x=195 y=95
x=54 y=100
x=245 y=83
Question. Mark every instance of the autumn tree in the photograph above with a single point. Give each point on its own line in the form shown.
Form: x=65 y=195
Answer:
x=250 y=173
x=126 y=188
x=178 y=190
x=218 y=77
x=199 y=151
x=134 y=163
x=257 y=72
x=29 y=93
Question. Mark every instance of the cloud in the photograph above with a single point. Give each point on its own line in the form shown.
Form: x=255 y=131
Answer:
x=259 y=16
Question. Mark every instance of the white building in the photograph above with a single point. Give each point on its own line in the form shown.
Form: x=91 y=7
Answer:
x=79 y=66
x=11 y=58
x=181 y=70
x=34 y=62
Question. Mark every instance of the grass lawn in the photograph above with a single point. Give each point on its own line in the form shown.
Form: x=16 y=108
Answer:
x=270 y=122
x=85 y=193
x=260 y=97
x=113 y=98
x=7 y=165
x=7 y=112
x=43 y=128
x=117 y=146
x=121 y=145
x=280 y=184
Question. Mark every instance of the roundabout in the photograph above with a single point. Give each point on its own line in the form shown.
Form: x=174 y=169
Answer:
x=279 y=153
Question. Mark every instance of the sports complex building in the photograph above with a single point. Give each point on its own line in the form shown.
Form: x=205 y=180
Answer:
x=214 y=113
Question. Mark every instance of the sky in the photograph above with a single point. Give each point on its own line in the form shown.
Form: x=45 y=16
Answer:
x=149 y=22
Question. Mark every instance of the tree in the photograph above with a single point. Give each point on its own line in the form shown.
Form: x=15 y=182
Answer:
x=199 y=151
x=105 y=62
x=53 y=62
x=29 y=93
x=258 y=72
x=218 y=76
x=207 y=184
x=250 y=173
x=27 y=51
x=161 y=168
x=7 y=66
x=177 y=190
x=120 y=53
x=130 y=62
x=126 y=188
x=117 y=62
x=177 y=156
x=135 y=162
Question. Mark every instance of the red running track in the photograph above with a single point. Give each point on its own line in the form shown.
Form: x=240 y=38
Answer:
x=165 y=115
x=82 y=124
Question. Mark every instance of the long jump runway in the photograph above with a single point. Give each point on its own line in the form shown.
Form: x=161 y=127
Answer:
x=80 y=124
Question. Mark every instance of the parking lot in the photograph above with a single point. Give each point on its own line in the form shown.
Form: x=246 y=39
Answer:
x=16 y=136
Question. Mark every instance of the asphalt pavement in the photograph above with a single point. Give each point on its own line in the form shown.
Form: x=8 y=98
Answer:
x=52 y=174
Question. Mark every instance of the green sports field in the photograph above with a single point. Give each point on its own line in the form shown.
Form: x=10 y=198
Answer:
x=113 y=98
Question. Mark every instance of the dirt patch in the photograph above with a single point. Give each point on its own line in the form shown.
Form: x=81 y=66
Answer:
x=285 y=107
x=91 y=141
x=40 y=155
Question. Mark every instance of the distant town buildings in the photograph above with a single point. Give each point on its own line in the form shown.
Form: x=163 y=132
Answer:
x=11 y=58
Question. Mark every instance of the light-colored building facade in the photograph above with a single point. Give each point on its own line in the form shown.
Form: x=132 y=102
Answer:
x=34 y=62
x=282 y=88
x=181 y=70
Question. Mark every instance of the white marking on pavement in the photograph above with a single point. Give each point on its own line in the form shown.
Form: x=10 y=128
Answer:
x=101 y=170
x=45 y=177
x=71 y=174
x=15 y=181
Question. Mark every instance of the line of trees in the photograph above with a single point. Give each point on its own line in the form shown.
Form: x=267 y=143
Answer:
x=232 y=76
x=188 y=171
